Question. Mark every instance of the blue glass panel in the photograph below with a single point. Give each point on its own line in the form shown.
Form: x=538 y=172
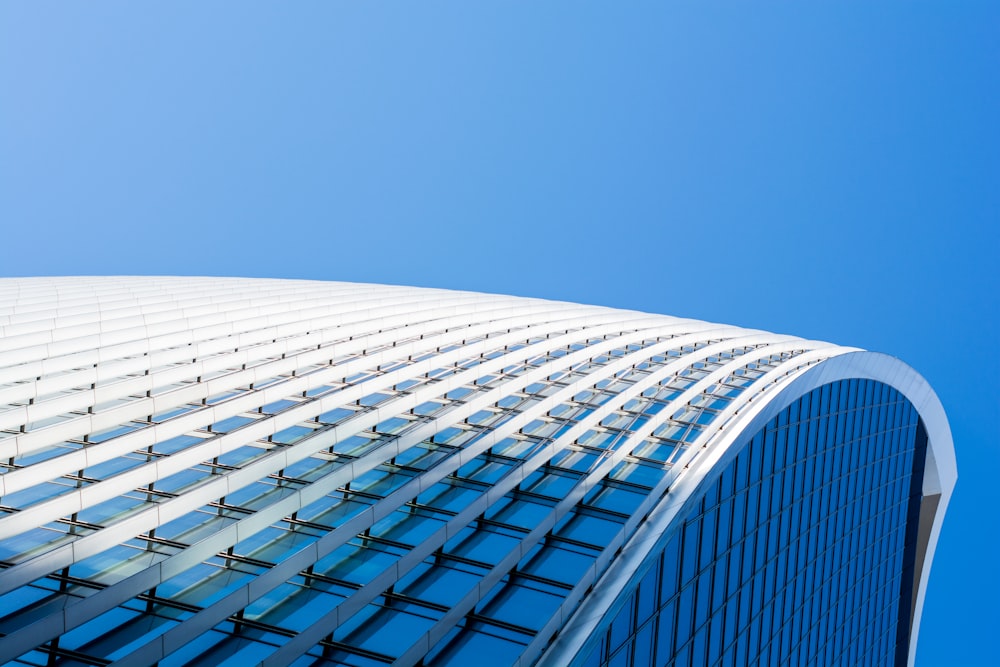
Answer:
x=471 y=647
x=796 y=555
x=519 y=603
x=562 y=563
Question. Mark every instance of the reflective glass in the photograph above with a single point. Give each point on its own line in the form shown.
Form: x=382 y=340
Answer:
x=797 y=553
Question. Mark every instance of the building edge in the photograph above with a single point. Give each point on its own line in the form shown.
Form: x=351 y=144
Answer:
x=579 y=634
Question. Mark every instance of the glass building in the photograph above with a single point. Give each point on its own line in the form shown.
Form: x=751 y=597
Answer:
x=233 y=472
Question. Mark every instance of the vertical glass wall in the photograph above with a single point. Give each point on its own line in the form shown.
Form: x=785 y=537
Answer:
x=800 y=553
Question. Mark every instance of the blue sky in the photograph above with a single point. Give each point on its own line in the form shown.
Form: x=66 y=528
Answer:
x=827 y=169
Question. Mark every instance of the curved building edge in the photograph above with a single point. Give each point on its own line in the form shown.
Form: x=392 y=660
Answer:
x=578 y=634
x=93 y=319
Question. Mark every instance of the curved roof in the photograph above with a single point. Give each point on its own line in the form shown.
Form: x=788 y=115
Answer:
x=276 y=375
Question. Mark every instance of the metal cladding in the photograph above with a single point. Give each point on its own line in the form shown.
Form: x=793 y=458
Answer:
x=239 y=471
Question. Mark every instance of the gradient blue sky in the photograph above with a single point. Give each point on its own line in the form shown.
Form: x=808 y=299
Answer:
x=825 y=169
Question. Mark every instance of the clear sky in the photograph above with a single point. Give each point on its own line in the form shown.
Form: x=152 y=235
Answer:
x=828 y=169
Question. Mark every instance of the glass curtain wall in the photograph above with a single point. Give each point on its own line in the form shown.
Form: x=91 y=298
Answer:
x=801 y=551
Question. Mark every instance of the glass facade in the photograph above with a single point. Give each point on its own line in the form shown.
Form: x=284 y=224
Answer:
x=796 y=553
x=228 y=471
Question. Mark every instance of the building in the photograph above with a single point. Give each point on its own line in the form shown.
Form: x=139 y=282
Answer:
x=232 y=472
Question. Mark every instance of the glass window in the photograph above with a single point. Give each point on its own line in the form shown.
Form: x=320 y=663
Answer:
x=471 y=647
x=522 y=604
x=821 y=485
